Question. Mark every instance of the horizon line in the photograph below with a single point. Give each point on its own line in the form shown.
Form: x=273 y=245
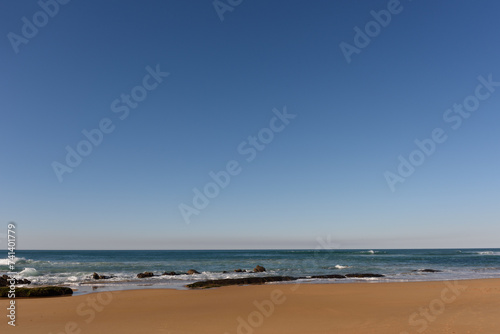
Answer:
x=254 y=249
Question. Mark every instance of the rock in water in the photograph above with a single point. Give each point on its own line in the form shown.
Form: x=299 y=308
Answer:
x=259 y=269
x=328 y=276
x=427 y=271
x=369 y=275
x=145 y=274
x=192 y=272
x=238 y=281
x=4 y=281
x=97 y=276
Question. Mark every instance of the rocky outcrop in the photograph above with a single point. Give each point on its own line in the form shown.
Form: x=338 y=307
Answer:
x=427 y=271
x=239 y=271
x=5 y=281
x=259 y=269
x=238 y=281
x=145 y=274
x=192 y=272
x=363 y=275
x=328 y=276
x=47 y=291
x=265 y=279
x=170 y=273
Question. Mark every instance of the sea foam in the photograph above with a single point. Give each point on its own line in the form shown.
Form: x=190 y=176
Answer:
x=7 y=261
x=338 y=266
x=28 y=272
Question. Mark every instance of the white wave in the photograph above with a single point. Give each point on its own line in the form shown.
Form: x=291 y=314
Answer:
x=7 y=261
x=59 y=278
x=488 y=253
x=338 y=266
x=205 y=275
x=367 y=278
x=27 y=272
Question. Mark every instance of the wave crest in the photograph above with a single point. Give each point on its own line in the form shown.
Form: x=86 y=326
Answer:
x=7 y=261
x=488 y=253
x=28 y=272
x=338 y=266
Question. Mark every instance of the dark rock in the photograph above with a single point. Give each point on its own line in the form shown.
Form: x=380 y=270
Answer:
x=238 y=281
x=4 y=281
x=97 y=276
x=192 y=272
x=22 y=281
x=240 y=271
x=224 y=272
x=259 y=269
x=48 y=291
x=363 y=275
x=329 y=276
x=262 y=280
x=427 y=271
x=145 y=274
x=171 y=273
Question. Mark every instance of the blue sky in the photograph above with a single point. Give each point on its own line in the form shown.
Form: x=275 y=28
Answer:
x=324 y=174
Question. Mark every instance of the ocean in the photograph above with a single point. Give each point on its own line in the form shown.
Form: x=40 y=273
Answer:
x=74 y=268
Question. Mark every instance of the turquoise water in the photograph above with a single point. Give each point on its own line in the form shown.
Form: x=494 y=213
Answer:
x=74 y=268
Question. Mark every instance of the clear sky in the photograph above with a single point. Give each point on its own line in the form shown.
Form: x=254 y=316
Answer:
x=312 y=117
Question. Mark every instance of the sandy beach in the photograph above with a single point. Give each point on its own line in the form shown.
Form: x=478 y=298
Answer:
x=457 y=307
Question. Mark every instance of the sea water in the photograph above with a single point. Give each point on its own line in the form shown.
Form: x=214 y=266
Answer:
x=74 y=268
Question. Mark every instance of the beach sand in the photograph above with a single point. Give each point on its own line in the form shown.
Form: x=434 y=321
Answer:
x=457 y=307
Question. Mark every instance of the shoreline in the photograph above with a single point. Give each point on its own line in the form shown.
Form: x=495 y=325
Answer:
x=120 y=286
x=156 y=285
x=461 y=306
x=170 y=269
